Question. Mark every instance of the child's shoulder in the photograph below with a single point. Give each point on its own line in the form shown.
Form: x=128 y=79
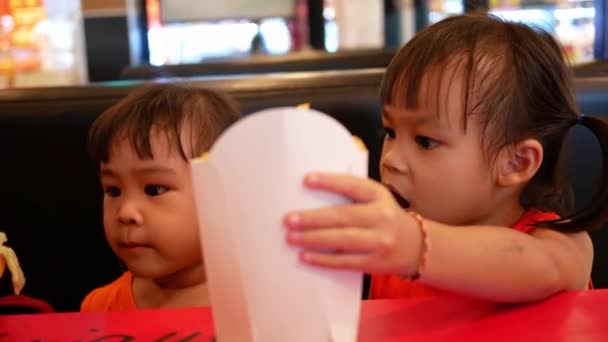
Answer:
x=116 y=296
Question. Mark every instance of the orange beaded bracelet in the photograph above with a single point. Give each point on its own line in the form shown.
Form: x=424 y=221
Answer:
x=424 y=248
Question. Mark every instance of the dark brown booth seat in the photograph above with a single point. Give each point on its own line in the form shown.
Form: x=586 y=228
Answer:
x=50 y=202
x=313 y=60
x=591 y=69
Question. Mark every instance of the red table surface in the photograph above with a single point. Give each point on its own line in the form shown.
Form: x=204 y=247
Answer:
x=573 y=316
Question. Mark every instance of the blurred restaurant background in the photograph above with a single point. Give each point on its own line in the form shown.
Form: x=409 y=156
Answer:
x=72 y=42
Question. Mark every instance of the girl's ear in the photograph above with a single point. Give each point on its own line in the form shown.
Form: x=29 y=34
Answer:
x=517 y=164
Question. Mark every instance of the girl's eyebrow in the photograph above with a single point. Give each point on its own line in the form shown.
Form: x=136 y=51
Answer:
x=392 y=114
x=141 y=171
x=413 y=117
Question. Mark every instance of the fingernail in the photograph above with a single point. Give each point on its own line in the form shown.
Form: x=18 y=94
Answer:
x=313 y=178
x=294 y=237
x=293 y=220
x=306 y=257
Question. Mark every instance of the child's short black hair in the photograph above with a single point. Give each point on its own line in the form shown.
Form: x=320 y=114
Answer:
x=168 y=107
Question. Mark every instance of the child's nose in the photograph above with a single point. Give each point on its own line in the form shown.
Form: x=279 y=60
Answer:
x=394 y=162
x=129 y=213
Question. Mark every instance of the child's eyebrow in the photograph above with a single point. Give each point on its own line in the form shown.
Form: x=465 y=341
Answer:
x=390 y=112
x=153 y=169
x=394 y=115
x=385 y=115
x=146 y=170
x=106 y=173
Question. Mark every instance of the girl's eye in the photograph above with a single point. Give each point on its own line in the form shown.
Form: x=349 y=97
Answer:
x=388 y=133
x=112 y=191
x=426 y=142
x=155 y=190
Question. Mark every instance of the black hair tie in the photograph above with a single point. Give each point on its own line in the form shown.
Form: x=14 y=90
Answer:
x=579 y=120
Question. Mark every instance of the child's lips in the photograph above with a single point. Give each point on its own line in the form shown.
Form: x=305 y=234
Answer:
x=133 y=245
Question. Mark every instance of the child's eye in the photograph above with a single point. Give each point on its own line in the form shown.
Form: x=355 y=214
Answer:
x=112 y=191
x=426 y=142
x=388 y=133
x=155 y=190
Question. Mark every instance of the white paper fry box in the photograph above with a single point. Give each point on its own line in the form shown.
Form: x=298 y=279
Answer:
x=250 y=179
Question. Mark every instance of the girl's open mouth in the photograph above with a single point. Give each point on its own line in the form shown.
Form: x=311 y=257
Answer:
x=402 y=201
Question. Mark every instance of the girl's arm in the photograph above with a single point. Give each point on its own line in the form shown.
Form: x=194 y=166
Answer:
x=375 y=235
x=505 y=265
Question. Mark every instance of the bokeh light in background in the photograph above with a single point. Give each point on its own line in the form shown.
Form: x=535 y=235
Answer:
x=194 y=42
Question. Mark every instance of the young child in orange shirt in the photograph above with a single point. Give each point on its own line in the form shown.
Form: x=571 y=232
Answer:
x=143 y=145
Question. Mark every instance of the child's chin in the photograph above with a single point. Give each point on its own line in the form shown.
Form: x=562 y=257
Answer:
x=140 y=270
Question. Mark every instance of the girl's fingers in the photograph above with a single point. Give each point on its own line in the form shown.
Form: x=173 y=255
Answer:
x=356 y=188
x=354 y=262
x=348 y=215
x=341 y=240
